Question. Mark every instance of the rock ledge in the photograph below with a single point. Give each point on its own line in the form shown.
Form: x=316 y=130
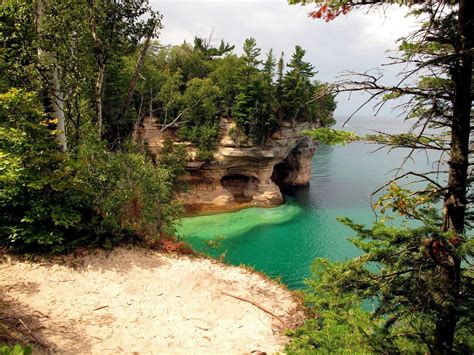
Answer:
x=242 y=175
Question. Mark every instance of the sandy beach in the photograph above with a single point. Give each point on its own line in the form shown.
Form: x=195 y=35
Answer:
x=135 y=300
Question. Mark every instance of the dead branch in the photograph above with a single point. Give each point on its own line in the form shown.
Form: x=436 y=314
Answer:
x=34 y=337
x=173 y=122
x=258 y=306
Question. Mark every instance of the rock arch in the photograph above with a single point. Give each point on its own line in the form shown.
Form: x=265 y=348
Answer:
x=295 y=169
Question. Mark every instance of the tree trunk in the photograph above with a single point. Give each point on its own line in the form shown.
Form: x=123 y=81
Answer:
x=98 y=98
x=136 y=73
x=455 y=200
x=54 y=99
x=101 y=59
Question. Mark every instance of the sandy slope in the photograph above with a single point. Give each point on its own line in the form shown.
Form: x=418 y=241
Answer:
x=133 y=300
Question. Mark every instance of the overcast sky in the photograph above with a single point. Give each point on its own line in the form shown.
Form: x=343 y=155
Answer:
x=355 y=42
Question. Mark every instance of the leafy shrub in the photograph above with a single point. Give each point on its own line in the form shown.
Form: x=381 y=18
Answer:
x=127 y=190
x=173 y=158
x=50 y=201
x=204 y=136
x=15 y=350
x=39 y=202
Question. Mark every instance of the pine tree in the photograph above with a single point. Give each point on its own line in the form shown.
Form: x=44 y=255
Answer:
x=299 y=66
x=254 y=108
x=279 y=86
x=297 y=89
x=269 y=65
x=251 y=53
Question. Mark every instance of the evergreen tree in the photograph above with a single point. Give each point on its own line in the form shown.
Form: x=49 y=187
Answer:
x=279 y=86
x=299 y=66
x=297 y=89
x=224 y=75
x=437 y=316
x=251 y=53
x=269 y=103
x=269 y=66
x=254 y=109
x=209 y=52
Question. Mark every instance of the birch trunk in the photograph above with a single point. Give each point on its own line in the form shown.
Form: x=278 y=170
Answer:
x=136 y=73
x=54 y=101
x=98 y=98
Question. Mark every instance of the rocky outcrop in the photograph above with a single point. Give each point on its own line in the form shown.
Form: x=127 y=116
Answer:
x=242 y=175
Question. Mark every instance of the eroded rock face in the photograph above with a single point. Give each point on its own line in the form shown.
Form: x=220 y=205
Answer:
x=242 y=175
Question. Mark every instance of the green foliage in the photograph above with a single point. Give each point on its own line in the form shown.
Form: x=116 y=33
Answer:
x=251 y=53
x=300 y=98
x=406 y=203
x=407 y=140
x=15 y=350
x=173 y=158
x=198 y=85
x=224 y=76
x=128 y=192
x=210 y=52
x=17 y=56
x=337 y=324
x=269 y=66
x=331 y=136
x=170 y=95
x=254 y=108
x=399 y=272
x=50 y=202
x=200 y=115
x=396 y=272
x=39 y=205
x=298 y=91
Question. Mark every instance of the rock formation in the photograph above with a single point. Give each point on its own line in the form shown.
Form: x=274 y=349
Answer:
x=241 y=175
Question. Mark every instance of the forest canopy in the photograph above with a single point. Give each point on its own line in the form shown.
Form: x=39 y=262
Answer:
x=193 y=85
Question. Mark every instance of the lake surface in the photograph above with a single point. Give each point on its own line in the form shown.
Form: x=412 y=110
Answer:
x=283 y=241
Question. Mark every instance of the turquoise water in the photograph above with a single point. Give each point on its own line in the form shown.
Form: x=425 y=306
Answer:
x=283 y=241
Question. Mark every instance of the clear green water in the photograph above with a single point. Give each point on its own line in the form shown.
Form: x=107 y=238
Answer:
x=283 y=241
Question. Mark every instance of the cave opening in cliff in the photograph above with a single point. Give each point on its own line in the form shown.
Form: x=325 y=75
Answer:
x=285 y=171
x=280 y=173
x=241 y=187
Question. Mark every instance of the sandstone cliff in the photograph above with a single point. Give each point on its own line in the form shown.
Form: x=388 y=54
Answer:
x=241 y=175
